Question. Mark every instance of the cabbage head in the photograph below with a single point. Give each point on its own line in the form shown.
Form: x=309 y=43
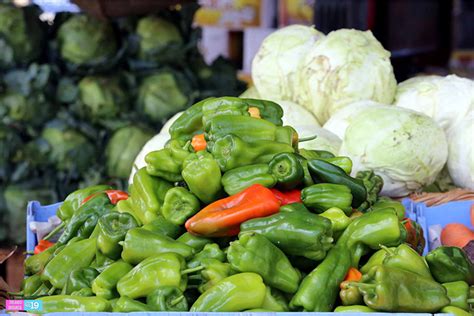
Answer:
x=296 y=115
x=102 y=97
x=69 y=149
x=20 y=34
x=338 y=123
x=345 y=66
x=85 y=40
x=122 y=149
x=277 y=63
x=406 y=148
x=461 y=152
x=250 y=93
x=447 y=100
x=156 y=37
x=325 y=140
x=33 y=109
x=163 y=94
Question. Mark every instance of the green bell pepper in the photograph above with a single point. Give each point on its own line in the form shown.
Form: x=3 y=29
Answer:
x=74 y=200
x=104 y=285
x=460 y=294
x=239 y=179
x=373 y=185
x=127 y=305
x=326 y=172
x=203 y=176
x=450 y=264
x=231 y=152
x=294 y=207
x=210 y=251
x=345 y=163
x=151 y=273
x=79 y=279
x=311 y=154
x=112 y=229
x=69 y=303
x=299 y=233
x=323 y=282
x=354 y=309
x=162 y=226
x=338 y=218
x=456 y=311
x=195 y=242
x=228 y=106
x=395 y=290
x=376 y=259
x=188 y=123
x=30 y=285
x=214 y=271
x=287 y=170
x=269 y=110
x=350 y=294
x=126 y=206
x=36 y=263
x=167 y=298
x=179 y=205
x=275 y=301
x=386 y=202
x=321 y=197
x=287 y=135
x=74 y=256
x=255 y=253
x=307 y=179
x=140 y=244
x=167 y=163
x=406 y=258
x=235 y=293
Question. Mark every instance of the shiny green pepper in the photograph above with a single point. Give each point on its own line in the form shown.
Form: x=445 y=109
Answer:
x=179 y=205
x=167 y=298
x=321 y=197
x=106 y=282
x=167 y=163
x=287 y=170
x=112 y=229
x=238 y=179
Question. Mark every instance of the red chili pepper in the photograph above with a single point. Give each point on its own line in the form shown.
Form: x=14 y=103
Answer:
x=42 y=246
x=415 y=236
x=287 y=197
x=116 y=195
x=223 y=217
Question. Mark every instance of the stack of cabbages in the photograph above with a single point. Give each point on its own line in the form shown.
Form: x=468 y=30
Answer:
x=231 y=215
x=344 y=80
x=79 y=97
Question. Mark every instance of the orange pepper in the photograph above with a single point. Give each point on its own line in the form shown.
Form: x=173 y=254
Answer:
x=223 y=217
x=352 y=275
x=42 y=246
x=199 y=142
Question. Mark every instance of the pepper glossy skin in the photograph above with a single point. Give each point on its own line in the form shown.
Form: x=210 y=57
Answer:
x=179 y=205
x=307 y=179
x=350 y=294
x=214 y=271
x=147 y=195
x=373 y=184
x=151 y=273
x=238 y=179
x=395 y=290
x=189 y=123
x=321 y=197
x=74 y=200
x=167 y=163
x=30 y=284
x=85 y=218
x=338 y=218
x=235 y=293
x=298 y=233
x=227 y=106
x=345 y=163
x=140 y=244
x=275 y=301
x=80 y=279
x=112 y=229
x=287 y=135
x=35 y=264
x=406 y=258
x=126 y=305
x=456 y=311
x=210 y=251
x=255 y=253
x=269 y=110
x=323 y=282
x=385 y=202
x=231 y=151
x=74 y=256
x=449 y=264
x=311 y=154
x=162 y=226
x=104 y=285
x=459 y=294
x=69 y=303
x=376 y=259
x=354 y=309
x=196 y=242
x=167 y=298
x=287 y=170
x=323 y=171
x=203 y=176
x=126 y=206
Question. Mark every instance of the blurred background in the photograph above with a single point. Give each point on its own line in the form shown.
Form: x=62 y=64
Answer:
x=80 y=95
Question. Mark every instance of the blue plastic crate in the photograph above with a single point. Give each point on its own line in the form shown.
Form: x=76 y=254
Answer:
x=35 y=212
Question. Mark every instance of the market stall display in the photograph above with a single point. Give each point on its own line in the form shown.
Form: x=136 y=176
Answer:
x=229 y=218
x=73 y=90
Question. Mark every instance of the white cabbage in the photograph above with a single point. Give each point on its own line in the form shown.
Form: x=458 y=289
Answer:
x=461 y=152
x=250 y=93
x=445 y=99
x=276 y=65
x=338 y=123
x=406 y=148
x=157 y=142
x=345 y=66
x=295 y=115
x=325 y=140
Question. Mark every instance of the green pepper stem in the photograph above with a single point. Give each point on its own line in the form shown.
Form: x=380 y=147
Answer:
x=54 y=231
x=387 y=250
x=191 y=270
x=307 y=139
x=51 y=291
x=177 y=300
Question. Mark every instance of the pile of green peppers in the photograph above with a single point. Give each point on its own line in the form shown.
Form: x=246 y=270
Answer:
x=135 y=254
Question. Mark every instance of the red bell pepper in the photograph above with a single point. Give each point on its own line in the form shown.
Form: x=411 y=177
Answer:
x=42 y=246
x=287 y=197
